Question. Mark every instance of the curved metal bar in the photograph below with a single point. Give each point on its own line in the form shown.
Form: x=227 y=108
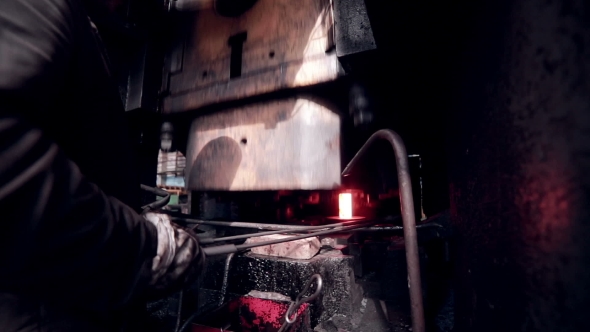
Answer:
x=292 y=311
x=408 y=218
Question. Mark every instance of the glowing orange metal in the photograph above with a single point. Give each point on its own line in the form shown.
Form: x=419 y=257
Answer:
x=345 y=205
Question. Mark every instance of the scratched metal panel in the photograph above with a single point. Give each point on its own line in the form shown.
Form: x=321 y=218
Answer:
x=288 y=44
x=353 y=33
x=287 y=144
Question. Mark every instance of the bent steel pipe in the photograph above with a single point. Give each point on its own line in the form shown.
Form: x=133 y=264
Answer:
x=408 y=218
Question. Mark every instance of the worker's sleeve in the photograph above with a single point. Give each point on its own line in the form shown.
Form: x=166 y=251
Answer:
x=37 y=40
x=61 y=238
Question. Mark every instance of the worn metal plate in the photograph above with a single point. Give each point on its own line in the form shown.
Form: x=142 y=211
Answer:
x=287 y=44
x=286 y=144
x=353 y=33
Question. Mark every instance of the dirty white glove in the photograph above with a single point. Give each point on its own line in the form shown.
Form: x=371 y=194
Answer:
x=178 y=257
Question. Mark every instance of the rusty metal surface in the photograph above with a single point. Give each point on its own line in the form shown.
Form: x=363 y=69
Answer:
x=284 y=144
x=520 y=170
x=353 y=33
x=287 y=44
x=340 y=297
x=295 y=74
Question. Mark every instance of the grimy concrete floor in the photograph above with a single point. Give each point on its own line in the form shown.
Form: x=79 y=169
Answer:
x=384 y=316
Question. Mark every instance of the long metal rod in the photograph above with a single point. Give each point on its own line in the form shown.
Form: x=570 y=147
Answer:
x=280 y=231
x=229 y=248
x=408 y=218
x=206 y=240
x=299 y=237
x=242 y=224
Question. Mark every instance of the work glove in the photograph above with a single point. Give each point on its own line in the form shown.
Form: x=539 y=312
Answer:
x=178 y=260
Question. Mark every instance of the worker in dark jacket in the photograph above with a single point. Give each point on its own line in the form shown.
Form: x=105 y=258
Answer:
x=74 y=252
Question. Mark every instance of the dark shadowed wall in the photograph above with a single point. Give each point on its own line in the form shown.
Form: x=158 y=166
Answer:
x=519 y=167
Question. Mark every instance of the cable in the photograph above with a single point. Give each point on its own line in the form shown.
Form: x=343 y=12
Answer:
x=179 y=312
x=188 y=321
x=155 y=190
x=159 y=203
x=225 y=277
x=221 y=301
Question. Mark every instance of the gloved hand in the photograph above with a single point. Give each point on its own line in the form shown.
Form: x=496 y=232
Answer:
x=178 y=260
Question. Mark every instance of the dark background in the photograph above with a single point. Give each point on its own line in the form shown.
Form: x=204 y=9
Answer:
x=495 y=98
x=499 y=90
